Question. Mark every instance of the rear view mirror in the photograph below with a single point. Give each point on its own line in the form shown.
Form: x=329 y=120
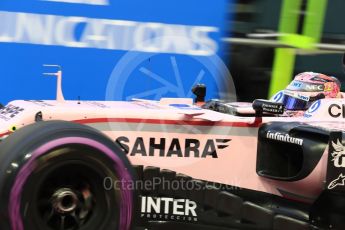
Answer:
x=265 y=106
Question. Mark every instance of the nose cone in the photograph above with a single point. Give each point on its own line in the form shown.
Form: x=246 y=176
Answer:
x=6 y=123
x=4 y=134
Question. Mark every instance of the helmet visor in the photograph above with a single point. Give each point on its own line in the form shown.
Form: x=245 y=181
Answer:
x=292 y=103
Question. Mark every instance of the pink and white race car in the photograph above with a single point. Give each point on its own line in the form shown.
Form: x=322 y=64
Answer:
x=173 y=163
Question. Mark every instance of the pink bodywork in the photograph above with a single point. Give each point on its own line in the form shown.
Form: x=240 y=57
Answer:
x=235 y=165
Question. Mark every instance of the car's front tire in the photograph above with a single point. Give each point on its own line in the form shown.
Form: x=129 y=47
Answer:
x=53 y=174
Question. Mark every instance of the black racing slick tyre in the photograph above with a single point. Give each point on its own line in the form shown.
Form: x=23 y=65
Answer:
x=52 y=177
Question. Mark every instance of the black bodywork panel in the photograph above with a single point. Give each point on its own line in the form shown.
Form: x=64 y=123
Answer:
x=289 y=151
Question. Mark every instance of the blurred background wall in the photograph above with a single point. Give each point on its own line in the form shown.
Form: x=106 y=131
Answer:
x=120 y=49
x=310 y=32
x=111 y=49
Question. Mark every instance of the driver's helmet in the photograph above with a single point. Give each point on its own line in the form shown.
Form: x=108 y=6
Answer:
x=308 y=87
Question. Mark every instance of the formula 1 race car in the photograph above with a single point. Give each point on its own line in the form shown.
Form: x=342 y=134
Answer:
x=176 y=163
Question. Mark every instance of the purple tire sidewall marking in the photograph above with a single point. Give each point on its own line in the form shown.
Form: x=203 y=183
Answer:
x=30 y=165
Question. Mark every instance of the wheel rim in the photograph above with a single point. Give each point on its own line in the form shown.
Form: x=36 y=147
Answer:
x=71 y=195
x=67 y=202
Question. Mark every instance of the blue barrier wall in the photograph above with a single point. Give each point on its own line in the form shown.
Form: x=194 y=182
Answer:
x=110 y=49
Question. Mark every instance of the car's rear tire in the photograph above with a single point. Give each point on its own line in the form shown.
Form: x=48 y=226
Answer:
x=52 y=176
